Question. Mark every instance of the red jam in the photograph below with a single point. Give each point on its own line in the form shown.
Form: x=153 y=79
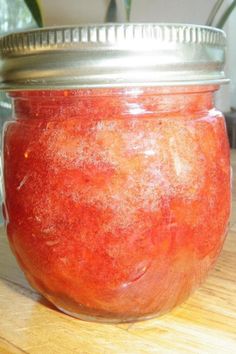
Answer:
x=116 y=200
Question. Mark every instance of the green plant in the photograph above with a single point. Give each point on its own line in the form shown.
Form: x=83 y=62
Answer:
x=224 y=17
x=128 y=8
x=34 y=8
x=111 y=15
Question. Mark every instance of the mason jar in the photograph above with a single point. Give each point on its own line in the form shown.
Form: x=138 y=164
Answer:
x=116 y=164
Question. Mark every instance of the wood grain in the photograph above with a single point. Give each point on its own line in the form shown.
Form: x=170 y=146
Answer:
x=206 y=323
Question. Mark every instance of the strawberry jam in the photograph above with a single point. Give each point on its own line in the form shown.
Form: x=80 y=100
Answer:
x=117 y=201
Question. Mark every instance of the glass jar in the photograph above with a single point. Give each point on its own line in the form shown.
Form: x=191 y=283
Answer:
x=14 y=15
x=116 y=191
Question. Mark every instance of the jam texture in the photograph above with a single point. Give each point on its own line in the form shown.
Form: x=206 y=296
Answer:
x=116 y=200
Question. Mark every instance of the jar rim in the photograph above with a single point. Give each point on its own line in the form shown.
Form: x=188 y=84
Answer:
x=112 y=55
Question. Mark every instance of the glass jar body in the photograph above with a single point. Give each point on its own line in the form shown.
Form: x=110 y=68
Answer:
x=117 y=201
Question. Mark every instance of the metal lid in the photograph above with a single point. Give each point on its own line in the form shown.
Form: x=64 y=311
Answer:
x=112 y=55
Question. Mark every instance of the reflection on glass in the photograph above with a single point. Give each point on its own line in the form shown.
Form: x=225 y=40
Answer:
x=14 y=16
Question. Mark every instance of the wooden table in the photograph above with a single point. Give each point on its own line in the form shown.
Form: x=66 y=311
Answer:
x=206 y=323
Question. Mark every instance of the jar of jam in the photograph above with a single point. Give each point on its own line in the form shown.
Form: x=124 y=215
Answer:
x=116 y=164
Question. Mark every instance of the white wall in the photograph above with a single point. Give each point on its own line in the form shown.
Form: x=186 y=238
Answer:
x=61 y=12
x=186 y=11
x=70 y=12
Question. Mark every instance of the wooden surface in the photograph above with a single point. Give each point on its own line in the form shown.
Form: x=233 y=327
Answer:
x=206 y=323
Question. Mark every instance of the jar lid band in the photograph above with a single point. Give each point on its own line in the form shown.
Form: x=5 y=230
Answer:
x=112 y=55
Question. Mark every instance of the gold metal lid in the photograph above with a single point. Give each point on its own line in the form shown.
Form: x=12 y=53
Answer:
x=112 y=55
